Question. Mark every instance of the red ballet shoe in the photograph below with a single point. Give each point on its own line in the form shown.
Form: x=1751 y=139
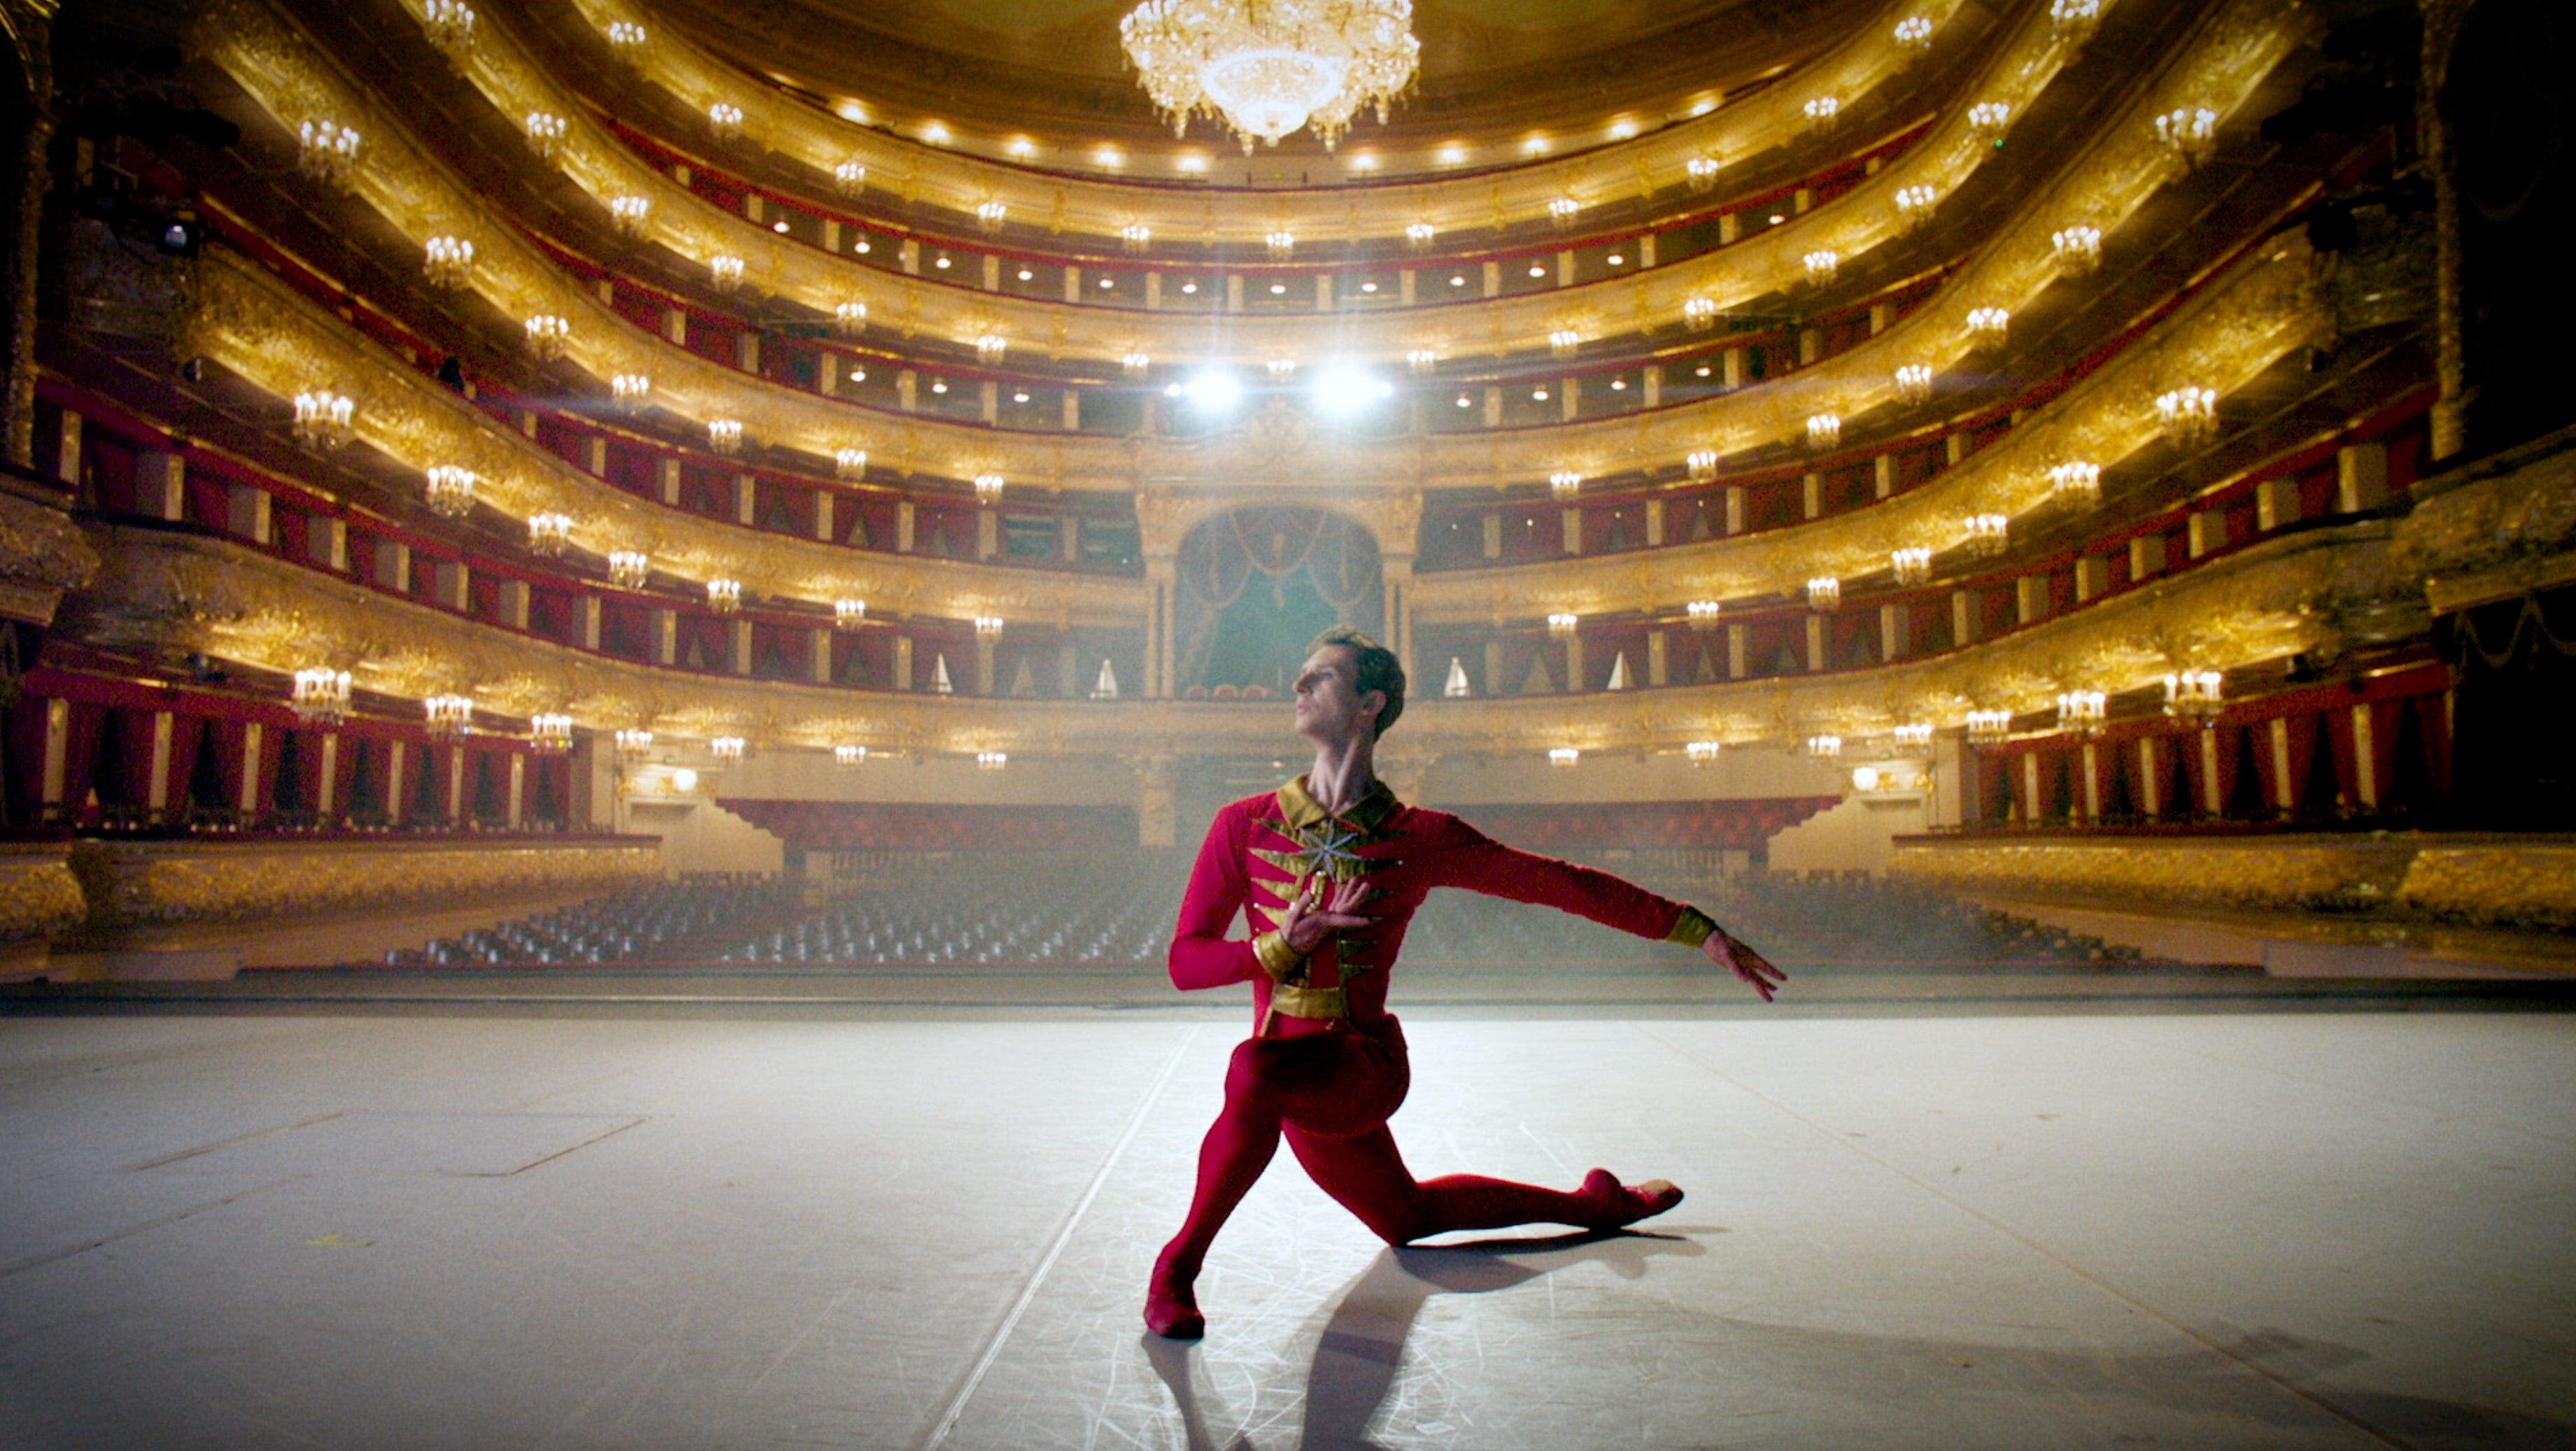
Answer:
x=1616 y=1205
x=1172 y=1304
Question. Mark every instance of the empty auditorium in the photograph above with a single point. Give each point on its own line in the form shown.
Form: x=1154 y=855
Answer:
x=1551 y=725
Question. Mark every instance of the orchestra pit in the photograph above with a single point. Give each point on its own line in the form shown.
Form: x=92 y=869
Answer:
x=639 y=638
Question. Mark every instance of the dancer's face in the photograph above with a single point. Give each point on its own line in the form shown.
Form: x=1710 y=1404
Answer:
x=1330 y=705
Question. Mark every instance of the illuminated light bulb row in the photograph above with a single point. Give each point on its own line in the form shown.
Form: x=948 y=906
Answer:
x=326 y=150
x=630 y=390
x=2075 y=481
x=546 y=132
x=628 y=214
x=547 y=336
x=450 y=490
x=1914 y=382
x=724 y=272
x=1824 y=592
x=724 y=118
x=724 y=596
x=447 y=261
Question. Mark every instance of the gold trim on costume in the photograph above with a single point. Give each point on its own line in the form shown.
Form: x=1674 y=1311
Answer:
x=1277 y=958
x=1691 y=928
x=1310 y=1002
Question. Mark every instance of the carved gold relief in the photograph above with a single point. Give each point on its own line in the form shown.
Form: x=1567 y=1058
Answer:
x=158 y=884
x=40 y=547
x=2121 y=170
x=175 y=595
x=2520 y=884
x=39 y=896
x=2294 y=873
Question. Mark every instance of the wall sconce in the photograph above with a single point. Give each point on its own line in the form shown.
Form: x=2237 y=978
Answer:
x=724 y=596
x=549 y=535
x=447 y=261
x=849 y=614
x=629 y=568
x=724 y=435
x=628 y=214
x=323 y=418
x=1560 y=625
x=450 y=716
x=546 y=132
x=547 y=335
x=550 y=734
x=321 y=696
x=2075 y=482
x=1565 y=485
x=451 y=490
x=729 y=750
x=326 y=151
x=725 y=119
x=1989 y=534
x=1702 y=615
x=1910 y=566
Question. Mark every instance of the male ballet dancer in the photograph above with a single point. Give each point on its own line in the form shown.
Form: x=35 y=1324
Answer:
x=1330 y=868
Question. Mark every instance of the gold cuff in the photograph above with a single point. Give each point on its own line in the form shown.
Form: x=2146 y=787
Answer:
x=1692 y=928
x=1310 y=1002
x=1277 y=958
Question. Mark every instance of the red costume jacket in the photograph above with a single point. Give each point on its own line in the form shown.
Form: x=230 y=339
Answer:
x=1260 y=848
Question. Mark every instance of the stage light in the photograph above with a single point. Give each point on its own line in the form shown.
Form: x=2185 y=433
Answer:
x=1212 y=390
x=1345 y=388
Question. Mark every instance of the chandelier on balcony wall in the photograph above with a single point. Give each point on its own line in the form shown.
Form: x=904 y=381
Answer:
x=1267 y=67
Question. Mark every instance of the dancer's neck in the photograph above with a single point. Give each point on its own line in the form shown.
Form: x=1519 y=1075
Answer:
x=1343 y=773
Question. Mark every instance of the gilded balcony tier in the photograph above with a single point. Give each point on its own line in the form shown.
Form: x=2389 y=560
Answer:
x=1282 y=450
x=289 y=77
x=915 y=174
x=253 y=325
x=2261 y=312
x=171 y=595
x=160 y=886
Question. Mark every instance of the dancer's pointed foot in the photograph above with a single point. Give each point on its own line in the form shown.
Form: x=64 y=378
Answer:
x=1615 y=1205
x=1172 y=1304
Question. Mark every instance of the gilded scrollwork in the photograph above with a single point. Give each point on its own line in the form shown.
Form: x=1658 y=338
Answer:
x=2297 y=872
x=39 y=895
x=41 y=548
x=2122 y=168
x=175 y=595
x=166 y=884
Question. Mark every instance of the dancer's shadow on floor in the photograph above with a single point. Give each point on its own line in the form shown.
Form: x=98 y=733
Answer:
x=1363 y=1343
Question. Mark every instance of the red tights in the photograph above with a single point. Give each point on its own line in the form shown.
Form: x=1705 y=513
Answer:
x=1331 y=1094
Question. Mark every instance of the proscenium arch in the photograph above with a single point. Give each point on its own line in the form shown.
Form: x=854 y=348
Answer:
x=1255 y=581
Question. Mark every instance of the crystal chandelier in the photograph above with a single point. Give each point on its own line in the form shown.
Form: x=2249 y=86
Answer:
x=2195 y=696
x=451 y=490
x=550 y=734
x=321 y=695
x=450 y=716
x=1267 y=67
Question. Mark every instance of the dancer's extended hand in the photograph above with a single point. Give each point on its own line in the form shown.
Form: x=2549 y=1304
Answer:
x=1744 y=962
x=1316 y=913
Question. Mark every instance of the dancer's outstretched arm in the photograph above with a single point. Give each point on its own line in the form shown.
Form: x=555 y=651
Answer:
x=1470 y=859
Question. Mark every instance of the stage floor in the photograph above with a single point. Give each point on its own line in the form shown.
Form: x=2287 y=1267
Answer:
x=882 y=1227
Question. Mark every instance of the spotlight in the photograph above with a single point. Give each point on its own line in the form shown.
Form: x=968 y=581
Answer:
x=1212 y=390
x=1345 y=388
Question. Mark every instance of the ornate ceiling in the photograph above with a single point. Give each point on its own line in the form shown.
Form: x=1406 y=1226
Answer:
x=1494 y=67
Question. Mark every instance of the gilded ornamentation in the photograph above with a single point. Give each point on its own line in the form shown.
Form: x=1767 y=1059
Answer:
x=2122 y=169
x=40 y=547
x=165 y=884
x=251 y=324
x=2294 y=872
x=2518 y=884
x=39 y=896
x=2499 y=527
